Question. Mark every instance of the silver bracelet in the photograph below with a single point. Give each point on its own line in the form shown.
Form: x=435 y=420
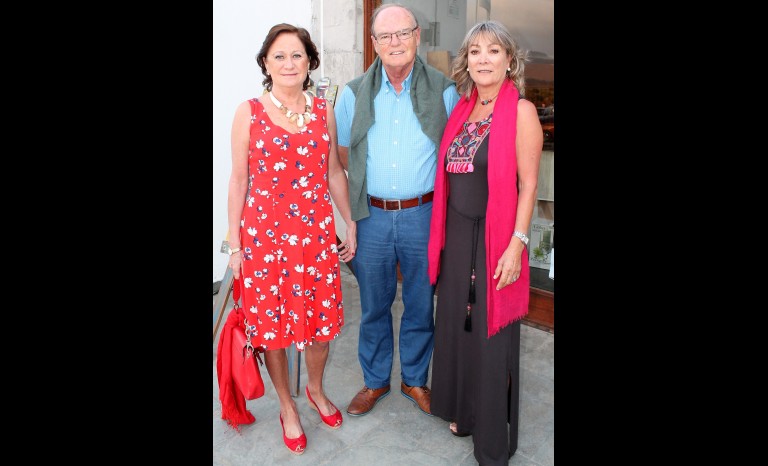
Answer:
x=522 y=237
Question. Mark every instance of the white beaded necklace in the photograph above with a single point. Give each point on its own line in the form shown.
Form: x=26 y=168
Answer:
x=300 y=119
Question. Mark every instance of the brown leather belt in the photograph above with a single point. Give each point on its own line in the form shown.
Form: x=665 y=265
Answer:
x=401 y=204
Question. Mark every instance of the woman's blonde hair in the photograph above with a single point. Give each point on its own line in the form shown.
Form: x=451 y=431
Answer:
x=496 y=33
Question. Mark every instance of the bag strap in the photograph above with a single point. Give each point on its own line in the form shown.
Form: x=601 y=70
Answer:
x=237 y=308
x=236 y=292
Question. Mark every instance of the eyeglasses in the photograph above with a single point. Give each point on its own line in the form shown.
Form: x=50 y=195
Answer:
x=403 y=35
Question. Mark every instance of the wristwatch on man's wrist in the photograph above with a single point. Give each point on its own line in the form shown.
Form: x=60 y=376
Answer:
x=522 y=237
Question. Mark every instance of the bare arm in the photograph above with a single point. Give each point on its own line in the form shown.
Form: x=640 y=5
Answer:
x=238 y=182
x=344 y=157
x=339 y=187
x=528 y=146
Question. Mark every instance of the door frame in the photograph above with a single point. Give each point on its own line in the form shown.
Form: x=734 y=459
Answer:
x=369 y=53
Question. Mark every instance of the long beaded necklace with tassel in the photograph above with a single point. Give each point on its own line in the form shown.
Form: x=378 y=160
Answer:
x=472 y=276
x=299 y=119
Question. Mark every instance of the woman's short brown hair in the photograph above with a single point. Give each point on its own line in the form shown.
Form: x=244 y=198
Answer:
x=309 y=46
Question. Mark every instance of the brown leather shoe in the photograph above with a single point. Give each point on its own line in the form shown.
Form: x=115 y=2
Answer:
x=421 y=396
x=366 y=399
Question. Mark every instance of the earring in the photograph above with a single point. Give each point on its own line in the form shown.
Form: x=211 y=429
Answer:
x=267 y=73
x=467 y=69
x=509 y=69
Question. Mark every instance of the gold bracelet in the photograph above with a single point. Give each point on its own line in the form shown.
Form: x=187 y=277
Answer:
x=233 y=251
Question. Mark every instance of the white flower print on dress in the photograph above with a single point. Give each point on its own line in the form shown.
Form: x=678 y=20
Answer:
x=262 y=297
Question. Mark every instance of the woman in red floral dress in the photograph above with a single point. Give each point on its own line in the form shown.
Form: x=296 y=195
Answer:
x=285 y=170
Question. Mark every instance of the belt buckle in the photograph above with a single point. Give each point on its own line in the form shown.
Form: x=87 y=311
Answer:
x=398 y=204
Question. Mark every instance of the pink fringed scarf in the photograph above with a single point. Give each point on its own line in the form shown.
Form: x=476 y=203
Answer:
x=511 y=303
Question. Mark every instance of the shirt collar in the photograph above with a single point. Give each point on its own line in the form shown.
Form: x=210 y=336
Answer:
x=406 y=84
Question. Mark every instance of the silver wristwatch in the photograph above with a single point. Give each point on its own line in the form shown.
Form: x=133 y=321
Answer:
x=522 y=237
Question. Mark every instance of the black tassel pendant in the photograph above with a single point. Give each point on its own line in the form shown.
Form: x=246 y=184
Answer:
x=472 y=276
x=468 y=320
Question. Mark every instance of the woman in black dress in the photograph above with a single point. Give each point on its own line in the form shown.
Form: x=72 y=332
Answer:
x=485 y=193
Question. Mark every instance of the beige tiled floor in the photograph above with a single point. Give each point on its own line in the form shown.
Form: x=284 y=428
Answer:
x=395 y=432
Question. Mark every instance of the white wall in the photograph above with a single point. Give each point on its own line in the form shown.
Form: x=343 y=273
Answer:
x=239 y=28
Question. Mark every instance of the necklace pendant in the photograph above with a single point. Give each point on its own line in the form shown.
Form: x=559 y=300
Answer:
x=299 y=119
x=486 y=102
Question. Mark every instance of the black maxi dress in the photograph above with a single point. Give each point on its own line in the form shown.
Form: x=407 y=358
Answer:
x=475 y=379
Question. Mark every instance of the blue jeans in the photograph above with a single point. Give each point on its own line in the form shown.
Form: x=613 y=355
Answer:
x=384 y=239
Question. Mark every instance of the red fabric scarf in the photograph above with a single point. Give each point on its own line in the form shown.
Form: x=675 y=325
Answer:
x=232 y=399
x=510 y=303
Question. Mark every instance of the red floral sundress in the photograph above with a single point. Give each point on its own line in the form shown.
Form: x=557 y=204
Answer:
x=291 y=282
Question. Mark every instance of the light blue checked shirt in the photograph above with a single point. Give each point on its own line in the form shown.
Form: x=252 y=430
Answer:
x=401 y=159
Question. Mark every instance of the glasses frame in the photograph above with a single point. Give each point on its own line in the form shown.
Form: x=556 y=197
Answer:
x=402 y=31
